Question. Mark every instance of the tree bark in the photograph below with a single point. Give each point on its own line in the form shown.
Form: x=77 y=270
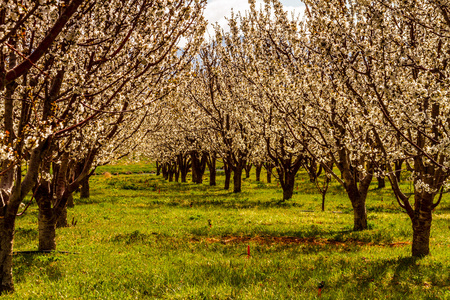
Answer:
x=288 y=186
x=61 y=220
x=359 y=213
x=258 y=168
x=421 y=238
x=398 y=169
x=421 y=223
x=287 y=169
x=198 y=166
x=211 y=161
x=170 y=173
x=164 y=171
x=227 y=170
x=70 y=202
x=356 y=185
x=85 y=191
x=6 y=251
x=9 y=211
x=381 y=182
x=237 y=179
x=183 y=166
x=176 y=170
x=183 y=175
x=158 y=168
x=196 y=172
x=268 y=167
x=312 y=170
x=47 y=230
x=46 y=218
x=248 y=168
x=323 y=201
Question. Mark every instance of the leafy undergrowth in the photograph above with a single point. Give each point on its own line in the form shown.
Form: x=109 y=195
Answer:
x=140 y=237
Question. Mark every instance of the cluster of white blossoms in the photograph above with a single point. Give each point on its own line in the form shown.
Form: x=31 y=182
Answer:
x=100 y=80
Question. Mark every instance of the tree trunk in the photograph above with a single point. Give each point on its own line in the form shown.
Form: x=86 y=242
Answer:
x=381 y=182
x=183 y=175
x=268 y=167
x=46 y=218
x=323 y=189
x=177 y=176
x=8 y=212
x=398 y=169
x=248 y=168
x=158 y=168
x=6 y=251
x=227 y=170
x=212 y=169
x=258 y=168
x=312 y=170
x=286 y=174
x=198 y=166
x=288 y=191
x=197 y=175
x=323 y=201
x=421 y=238
x=288 y=186
x=70 y=202
x=164 y=171
x=176 y=171
x=47 y=230
x=85 y=191
x=183 y=166
x=170 y=173
x=421 y=224
x=237 y=179
x=359 y=213
x=61 y=220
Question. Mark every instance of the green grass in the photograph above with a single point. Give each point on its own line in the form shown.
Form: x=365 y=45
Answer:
x=140 y=237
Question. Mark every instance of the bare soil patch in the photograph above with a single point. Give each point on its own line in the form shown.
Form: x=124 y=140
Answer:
x=289 y=240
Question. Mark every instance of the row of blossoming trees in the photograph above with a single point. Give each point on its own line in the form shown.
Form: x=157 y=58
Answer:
x=355 y=89
x=80 y=82
x=358 y=89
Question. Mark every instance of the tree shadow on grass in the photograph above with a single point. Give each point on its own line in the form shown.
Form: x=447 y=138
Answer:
x=406 y=275
x=44 y=263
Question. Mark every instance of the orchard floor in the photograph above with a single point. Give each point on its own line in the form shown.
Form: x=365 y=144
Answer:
x=140 y=237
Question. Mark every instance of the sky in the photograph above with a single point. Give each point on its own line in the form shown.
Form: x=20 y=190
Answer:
x=217 y=10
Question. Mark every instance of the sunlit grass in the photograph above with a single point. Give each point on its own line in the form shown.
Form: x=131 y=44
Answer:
x=140 y=237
